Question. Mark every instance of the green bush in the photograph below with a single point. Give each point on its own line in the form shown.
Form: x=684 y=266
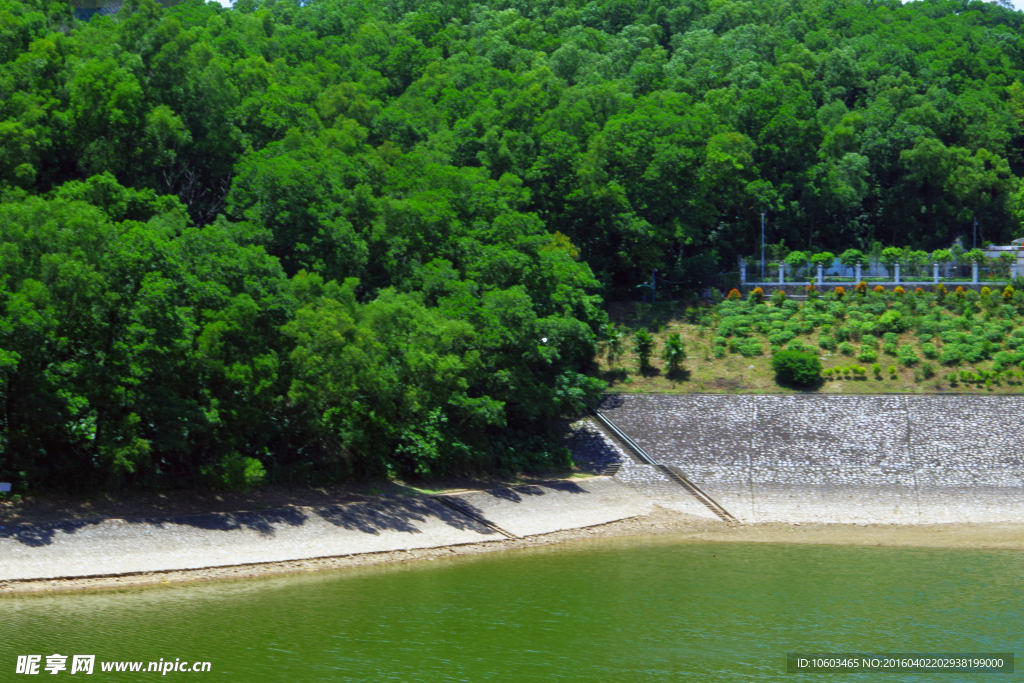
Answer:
x=952 y=354
x=643 y=346
x=929 y=351
x=780 y=338
x=796 y=368
x=877 y=369
x=750 y=348
x=827 y=342
x=867 y=354
x=906 y=355
x=674 y=352
x=891 y=321
x=235 y=472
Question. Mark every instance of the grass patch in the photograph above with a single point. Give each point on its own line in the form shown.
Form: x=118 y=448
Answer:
x=876 y=343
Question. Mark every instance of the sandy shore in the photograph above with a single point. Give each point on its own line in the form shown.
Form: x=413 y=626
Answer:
x=660 y=522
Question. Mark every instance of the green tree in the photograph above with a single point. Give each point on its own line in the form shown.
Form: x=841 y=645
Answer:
x=890 y=257
x=673 y=352
x=851 y=257
x=614 y=343
x=643 y=347
x=943 y=257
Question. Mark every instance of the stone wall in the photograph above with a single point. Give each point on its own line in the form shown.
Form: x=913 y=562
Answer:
x=879 y=459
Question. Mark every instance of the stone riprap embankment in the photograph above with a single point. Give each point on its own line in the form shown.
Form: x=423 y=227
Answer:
x=843 y=459
x=595 y=450
x=127 y=546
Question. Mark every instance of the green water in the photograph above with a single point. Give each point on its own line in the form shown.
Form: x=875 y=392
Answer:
x=609 y=610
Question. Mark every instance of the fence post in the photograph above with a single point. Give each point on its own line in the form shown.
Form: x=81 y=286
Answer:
x=743 y=273
x=856 y=273
x=821 y=278
x=897 y=272
x=782 y=273
x=974 y=272
x=935 y=272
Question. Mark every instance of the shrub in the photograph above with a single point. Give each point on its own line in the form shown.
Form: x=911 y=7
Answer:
x=812 y=292
x=941 y=291
x=778 y=298
x=959 y=292
x=797 y=368
x=750 y=348
x=847 y=349
x=674 y=352
x=929 y=351
x=861 y=288
x=918 y=292
x=986 y=292
x=839 y=292
x=827 y=373
x=891 y=321
x=235 y=472
x=952 y=354
x=906 y=355
x=867 y=355
x=899 y=291
x=826 y=342
x=780 y=338
x=718 y=351
x=1008 y=293
x=892 y=370
x=756 y=295
x=734 y=294
x=858 y=370
x=927 y=370
x=877 y=369
x=643 y=346
x=879 y=289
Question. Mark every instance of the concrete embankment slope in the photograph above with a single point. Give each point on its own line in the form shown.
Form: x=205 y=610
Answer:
x=125 y=546
x=843 y=459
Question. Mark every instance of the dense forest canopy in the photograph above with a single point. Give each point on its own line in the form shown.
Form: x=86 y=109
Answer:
x=354 y=237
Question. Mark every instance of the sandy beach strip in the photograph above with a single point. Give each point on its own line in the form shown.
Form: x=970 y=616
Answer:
x=659 y=522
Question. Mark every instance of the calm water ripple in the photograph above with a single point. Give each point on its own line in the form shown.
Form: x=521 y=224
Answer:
x=648 y=609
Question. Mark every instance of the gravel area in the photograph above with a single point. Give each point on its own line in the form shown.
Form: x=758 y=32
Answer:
x=132 y=546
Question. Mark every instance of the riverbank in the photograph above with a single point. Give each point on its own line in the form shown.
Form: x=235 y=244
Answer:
x=660 y=522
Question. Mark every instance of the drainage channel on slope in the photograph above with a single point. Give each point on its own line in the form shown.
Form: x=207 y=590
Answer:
x=672 y=472
x=460 y=507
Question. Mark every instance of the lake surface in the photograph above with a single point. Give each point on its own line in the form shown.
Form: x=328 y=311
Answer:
x=644 y=609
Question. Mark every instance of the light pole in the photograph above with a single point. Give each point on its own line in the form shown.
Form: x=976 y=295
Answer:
x=762 y=246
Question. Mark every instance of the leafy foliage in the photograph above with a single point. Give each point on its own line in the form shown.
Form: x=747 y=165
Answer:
x=797 y=368
x=346 y=239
